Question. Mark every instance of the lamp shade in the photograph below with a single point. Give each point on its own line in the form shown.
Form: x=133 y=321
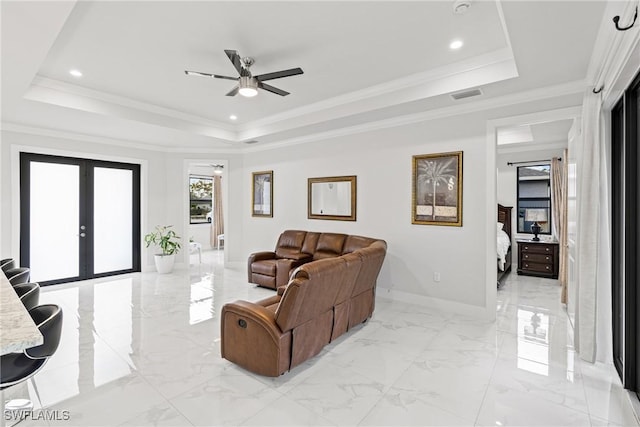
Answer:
x=536 y=215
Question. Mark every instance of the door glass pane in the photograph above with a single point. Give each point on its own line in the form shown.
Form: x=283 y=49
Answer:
x=54 y=221
x=113 y=213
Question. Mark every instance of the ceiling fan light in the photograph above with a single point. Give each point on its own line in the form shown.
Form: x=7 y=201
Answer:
x=248 y=92
x=248 y=86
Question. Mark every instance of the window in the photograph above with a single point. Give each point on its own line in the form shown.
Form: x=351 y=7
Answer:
x=534 y=197
x=200 y=199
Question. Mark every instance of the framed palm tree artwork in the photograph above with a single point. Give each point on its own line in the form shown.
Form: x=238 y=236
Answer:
x=437 y=189
x=262 y=194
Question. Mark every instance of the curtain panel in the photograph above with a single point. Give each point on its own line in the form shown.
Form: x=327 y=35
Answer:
x=559 y=216
x=217 y=226
x=593 y=338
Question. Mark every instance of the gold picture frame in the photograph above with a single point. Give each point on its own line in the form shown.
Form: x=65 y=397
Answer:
x=332 y=197
x=436 y=197
x=262 y=194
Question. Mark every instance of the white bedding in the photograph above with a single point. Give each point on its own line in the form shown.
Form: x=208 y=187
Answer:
x=503 y=247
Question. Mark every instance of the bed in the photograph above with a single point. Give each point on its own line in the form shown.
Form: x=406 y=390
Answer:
x=503 y=236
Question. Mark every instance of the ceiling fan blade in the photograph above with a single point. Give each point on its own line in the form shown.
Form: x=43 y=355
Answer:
x=279 y=74
x=215 y=76
x=272 y=89
x=197 y=73
x=235 y=60
x=225 y=77
x=234 y=91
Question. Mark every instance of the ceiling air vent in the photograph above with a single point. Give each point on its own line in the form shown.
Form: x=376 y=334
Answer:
x=466 y=94
x=253 y=141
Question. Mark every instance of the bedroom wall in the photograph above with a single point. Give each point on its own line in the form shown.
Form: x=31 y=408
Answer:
x=382 y=161
x=507 y=189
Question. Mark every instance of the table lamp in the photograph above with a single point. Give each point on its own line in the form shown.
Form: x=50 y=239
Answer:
x=537 y=216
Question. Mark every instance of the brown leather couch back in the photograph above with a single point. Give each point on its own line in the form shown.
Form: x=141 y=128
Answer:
x=372 y=259
x=313 y=290
x=329 y=245
x=290 y=243
x=353 y=243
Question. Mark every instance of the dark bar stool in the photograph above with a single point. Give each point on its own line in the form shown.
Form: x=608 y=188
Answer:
x=7 y=264
x=19 y=367
x=18 y=275
x=29 y=294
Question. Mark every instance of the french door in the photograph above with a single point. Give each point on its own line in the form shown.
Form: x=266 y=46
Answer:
x=625 y=243
x=79 y=218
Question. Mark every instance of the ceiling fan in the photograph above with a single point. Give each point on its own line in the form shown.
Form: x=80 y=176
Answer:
x=247 y=84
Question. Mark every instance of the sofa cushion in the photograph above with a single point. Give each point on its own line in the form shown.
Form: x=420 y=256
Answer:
x=266 y=267
x=329 y=245
x=290 y=241
x=310 y=242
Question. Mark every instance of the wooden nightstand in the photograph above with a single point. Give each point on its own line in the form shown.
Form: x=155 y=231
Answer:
x=538 y=258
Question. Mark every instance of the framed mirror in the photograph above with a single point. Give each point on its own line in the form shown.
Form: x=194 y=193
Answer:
x=332 y=197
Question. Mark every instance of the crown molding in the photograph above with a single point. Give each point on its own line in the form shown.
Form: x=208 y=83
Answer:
x=67 y=95
x=96 y=139
x=407 y=82
x=467 y=108
x=82 y=91
x=455 y=110
x=484 y=69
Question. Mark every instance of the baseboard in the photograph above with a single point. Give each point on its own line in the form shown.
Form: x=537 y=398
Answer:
x=634 y=404
x=437 y=303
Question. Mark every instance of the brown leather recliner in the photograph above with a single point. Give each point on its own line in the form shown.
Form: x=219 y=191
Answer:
x=272 y=269
x=271 y=342
x=294 y=248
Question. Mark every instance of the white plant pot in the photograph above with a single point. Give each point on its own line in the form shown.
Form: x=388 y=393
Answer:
x=164 y=263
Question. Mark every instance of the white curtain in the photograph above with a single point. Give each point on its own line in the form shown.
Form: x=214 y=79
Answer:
x=593 y=307
x=217 y=225
x=559 y=216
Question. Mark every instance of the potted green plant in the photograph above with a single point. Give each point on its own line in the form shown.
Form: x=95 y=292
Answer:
x=168 y=241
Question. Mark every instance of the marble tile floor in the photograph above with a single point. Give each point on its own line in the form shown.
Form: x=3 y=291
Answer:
x=144 y=349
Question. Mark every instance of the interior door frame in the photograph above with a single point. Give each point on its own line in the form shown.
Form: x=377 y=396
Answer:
x=86 y=216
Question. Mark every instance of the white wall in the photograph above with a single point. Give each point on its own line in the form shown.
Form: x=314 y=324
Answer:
x=382 y=162
x=162 y=179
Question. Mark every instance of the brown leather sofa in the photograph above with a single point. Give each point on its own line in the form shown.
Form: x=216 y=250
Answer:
x=323 y=300
x=294 y=248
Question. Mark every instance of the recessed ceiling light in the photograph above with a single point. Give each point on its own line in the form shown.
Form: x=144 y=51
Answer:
x=75 y=73
x=456 y=44
x=233 y=117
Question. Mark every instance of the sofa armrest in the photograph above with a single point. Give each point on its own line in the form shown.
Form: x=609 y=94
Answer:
x=259 y=256
x=297 y=256
x=252 y=339
x=257 y=313
x=285 y=267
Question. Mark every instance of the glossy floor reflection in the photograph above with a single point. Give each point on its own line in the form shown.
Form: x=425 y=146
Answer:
x=143 y=349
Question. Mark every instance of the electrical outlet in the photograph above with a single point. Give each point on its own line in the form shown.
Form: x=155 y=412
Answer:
x=436 y=276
